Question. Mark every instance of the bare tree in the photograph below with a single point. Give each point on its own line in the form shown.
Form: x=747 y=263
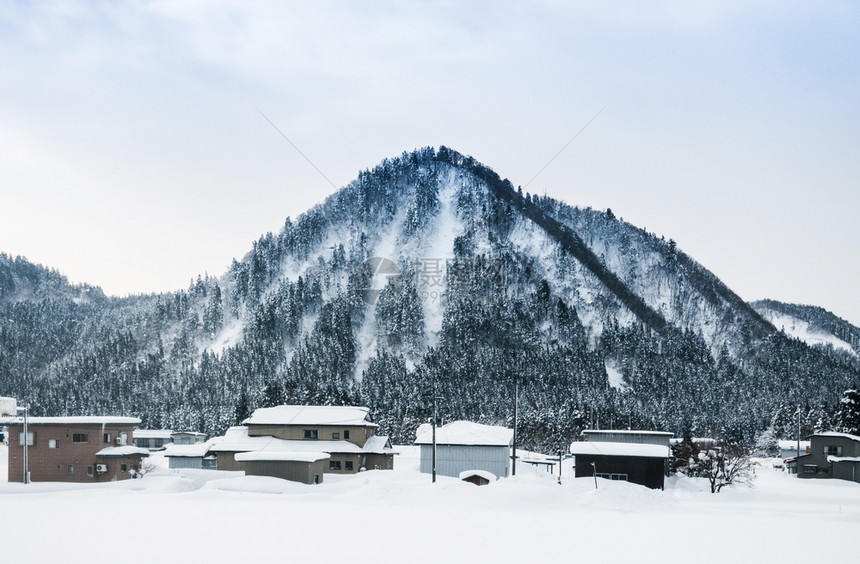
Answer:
x=723 y=466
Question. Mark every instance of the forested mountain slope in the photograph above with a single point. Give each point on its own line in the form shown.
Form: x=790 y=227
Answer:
x=475 y=286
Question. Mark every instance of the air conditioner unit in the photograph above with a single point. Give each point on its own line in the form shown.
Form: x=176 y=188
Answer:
x=101 y=468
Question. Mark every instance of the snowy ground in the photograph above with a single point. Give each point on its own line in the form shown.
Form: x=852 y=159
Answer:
x=400 y=517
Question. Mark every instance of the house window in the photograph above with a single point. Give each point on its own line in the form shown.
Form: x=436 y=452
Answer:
x=349 y=464
x=107 y=438
x=833 y=451
x=335 y=436
x=346 y=434
x=311 y=434
x=59 y=467
x=388 y=464
x=334 y=465
x=123 y=468
x=70 y=469
x=53 y=443
x=316 y=478
x=90 y=470
x=31 y=438
x=80 y=437
x=809 y=468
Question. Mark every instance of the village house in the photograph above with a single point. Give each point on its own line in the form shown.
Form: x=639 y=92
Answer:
x=831 y=455
x=340 y=438
x=464 y=446
x=74 y=449
x=640 y=457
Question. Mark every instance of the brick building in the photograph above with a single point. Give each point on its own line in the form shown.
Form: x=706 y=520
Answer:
x=74 y=449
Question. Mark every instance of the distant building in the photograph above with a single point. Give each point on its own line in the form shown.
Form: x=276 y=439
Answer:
x=831 y=455
x=788 y=449
x=196 y=456
x=464 y=446
x=187 y=437
x=640 y=457
x=152 y=439
x=74 y=449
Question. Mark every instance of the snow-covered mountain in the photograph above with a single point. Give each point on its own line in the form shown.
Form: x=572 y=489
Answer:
x=427 y=271
x=813 y=325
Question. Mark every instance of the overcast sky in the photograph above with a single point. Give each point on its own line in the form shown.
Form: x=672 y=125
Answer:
x=133 y=157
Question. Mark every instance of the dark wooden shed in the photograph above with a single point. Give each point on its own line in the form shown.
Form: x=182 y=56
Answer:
x=643 y=464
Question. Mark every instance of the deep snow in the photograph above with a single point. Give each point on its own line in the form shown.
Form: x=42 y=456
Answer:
x=399 y=516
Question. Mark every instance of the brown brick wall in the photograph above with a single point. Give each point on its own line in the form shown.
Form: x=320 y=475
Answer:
x=44 y=461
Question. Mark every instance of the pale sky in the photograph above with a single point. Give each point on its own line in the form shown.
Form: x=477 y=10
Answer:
x=132 y=155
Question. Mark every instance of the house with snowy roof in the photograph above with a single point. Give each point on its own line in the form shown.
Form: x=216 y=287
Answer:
x=831 y=455
x=464 y=446
x=343 y=434
x=74 y=449
x=636 y=456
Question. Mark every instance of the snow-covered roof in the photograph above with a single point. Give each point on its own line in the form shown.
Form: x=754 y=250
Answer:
x=152 y=433
x=237 y=440
x=127 y=450
x=378 y=444
x=465 y=433
x=281 y=456
x=792 y=445
x=482 y=473
x=835 y=434
x=72 y=421
x=831 y=458
x=198 y=450
x=190 y=433
x=343 y=415
x=8 y=407
x=629 y=432
x=618 y=449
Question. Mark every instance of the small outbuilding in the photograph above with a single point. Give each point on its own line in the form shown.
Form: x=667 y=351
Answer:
x=194 y=457
x=297 y=466
x=466 y=446
x=477 y=477
x=640 y=457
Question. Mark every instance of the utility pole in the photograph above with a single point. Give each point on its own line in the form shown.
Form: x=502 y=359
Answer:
x=594 y=473
x=25 y=410
x=516 y=405
x=434 y=429
x=798 y=431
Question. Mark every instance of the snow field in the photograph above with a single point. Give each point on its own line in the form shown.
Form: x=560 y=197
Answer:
x=171 y=516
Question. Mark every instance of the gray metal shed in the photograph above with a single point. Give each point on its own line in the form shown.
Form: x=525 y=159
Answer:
x=463 y=445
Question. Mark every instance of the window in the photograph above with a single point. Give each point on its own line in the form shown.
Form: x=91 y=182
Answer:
x=122 y=439
x=53 y=443
x=311 y=434
x=809 y=468
x=388 y=464
x=107 y=438
x=349 y=464
x=90 y=470
x=59 y=467
x=31 y=438
x=833 y=451
x=346 y=434
x=123 y=468
x=80 y=437
x=316 y=478
x=334 y=465
x=70 y=469
x=335 y=436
